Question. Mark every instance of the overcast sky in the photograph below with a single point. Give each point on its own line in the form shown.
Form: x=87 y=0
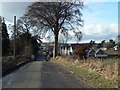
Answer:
x=100 y=18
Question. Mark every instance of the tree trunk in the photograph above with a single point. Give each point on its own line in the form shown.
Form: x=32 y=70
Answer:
x=55 y=52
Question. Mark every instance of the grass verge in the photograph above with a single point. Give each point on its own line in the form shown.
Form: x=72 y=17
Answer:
x=93 y=78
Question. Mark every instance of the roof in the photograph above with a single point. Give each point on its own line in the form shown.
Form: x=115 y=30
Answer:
x=99 y=51
x=91 y=50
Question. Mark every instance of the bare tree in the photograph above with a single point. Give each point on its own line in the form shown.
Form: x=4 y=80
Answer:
x=78 y=34
x=23 y=25
x=58 y=17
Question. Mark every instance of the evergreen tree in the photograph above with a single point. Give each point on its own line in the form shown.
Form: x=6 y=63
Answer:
x=5 y=40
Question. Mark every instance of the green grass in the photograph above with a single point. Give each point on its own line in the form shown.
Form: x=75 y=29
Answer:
x=111 y=52
x=91 y=77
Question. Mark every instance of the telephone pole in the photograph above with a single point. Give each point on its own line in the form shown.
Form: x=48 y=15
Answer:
x=14 y=51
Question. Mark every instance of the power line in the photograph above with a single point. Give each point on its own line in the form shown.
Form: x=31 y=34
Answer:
x=7 y=19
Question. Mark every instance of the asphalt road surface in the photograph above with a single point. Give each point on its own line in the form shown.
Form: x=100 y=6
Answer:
x=40 y=57
x=42 y=74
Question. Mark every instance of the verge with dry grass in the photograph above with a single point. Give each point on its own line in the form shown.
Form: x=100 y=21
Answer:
x=99 y=73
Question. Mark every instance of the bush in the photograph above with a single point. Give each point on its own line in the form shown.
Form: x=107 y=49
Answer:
x=80 y=51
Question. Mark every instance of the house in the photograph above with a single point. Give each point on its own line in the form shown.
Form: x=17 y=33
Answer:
x=66 y=49
x=116 y=47
x=100 y=54
x=91 y=53
x=103 y=48
x=69 y=49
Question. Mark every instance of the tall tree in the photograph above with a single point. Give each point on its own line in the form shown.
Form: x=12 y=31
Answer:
x=23 y=25
x=35 y=44
x=25 y=34
x=5 y=40
x=58 y=17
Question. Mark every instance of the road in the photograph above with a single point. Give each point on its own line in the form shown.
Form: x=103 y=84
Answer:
x=42 y=74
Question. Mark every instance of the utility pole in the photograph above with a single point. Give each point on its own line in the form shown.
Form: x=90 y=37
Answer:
x=14 y=36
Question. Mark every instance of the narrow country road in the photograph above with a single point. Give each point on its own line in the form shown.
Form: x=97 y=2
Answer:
x=42 y=74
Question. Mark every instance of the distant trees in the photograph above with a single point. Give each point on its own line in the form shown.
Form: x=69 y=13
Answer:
x=91 y=43
x=99 y=45
x=103 y=44
x=5 y=40
x=55 y=17
x=110 y=44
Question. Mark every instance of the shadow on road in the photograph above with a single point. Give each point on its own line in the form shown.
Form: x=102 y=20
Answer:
x=41 y=57
x=40 y=74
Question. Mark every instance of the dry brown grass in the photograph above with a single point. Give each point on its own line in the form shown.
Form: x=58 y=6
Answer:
x=107 y=68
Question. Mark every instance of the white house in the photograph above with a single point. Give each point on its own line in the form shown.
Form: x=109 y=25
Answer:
x=103 y=48
x=116 y=47
x=66 y=49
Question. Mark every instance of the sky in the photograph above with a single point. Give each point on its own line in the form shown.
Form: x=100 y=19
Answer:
x=100 y=18
x=101 y=21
